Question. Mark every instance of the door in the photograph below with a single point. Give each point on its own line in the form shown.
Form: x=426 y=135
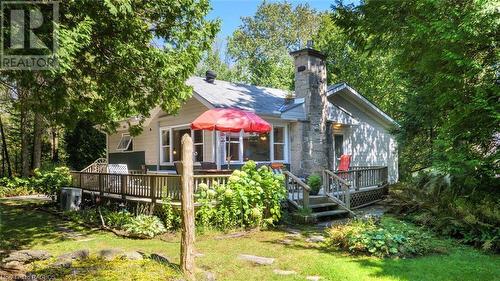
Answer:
x=338 y=149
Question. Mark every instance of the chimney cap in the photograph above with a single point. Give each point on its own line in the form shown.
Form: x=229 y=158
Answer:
x=309 y=52
x=210 y=76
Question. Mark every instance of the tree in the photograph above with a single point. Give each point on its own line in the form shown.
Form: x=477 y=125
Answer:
x=373 y=74
x=261 y=45
x=449 y=50
x=109 y=67
x=83 y=145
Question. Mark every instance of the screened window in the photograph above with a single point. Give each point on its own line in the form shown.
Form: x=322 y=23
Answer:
x=198 y=145
x=279 y=143
x=165 y=146
x=232 y=146
x=171 y=144
x=256 y=147
x=125 y=143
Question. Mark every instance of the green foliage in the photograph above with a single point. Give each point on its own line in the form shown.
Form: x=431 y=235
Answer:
x=117 y=219
x=385 y=238
x=170 y=216
x=15 y=187
x=314 y=182
x=251 y=198
x=261 y=45
x=439 y=202
x=448 y=52
x=145 y=226
x=84 y=144
x=51 y=182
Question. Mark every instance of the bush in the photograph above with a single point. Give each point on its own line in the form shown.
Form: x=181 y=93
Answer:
x=314 y=182
x=440 y=203
x=251 y=198
x=15 y=187
x=385 y=238
x=51 y=182
x=117 y=219
x=144 y=226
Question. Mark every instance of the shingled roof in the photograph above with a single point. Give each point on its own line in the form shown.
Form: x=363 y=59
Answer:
x=223 y=94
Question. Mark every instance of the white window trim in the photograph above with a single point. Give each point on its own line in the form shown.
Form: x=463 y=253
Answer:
x=128 y=144
x=171 y=139
x=271 y=148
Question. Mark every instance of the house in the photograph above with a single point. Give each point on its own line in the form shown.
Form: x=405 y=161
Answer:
x=312 y=127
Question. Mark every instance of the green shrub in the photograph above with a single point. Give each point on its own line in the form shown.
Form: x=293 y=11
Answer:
x=251 y=198
x=170 y=217
x=15 y=187
x=314 y=182
x=117 y=219
x=440 y=203
x=51 y=182
x=145 y=226
x=385 y=238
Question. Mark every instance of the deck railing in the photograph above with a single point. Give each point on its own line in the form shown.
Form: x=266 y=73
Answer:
x=337 y=189
x=361 y=177
x=298 y=191
x=150 y=186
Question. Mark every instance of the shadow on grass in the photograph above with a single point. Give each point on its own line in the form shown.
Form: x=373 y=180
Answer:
x=22 y=226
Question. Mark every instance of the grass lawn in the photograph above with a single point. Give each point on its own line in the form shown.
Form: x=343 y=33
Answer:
x=22 y=227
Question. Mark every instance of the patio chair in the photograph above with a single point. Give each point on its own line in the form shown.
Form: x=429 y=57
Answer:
x=344 y=165
x=114 y=179
x=178 y=167
x=208 y=166
x=277 y=168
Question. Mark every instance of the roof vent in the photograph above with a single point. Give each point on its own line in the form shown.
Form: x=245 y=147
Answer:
x=210 y=76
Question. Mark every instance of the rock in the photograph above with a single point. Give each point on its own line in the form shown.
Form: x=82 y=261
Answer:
x=160 y=258
x=133 y=256
x=315 y=239
x=66 y=260
x=27 y=256
x=198 y=255
x=209 y=276
x=292 y=231
x=293 y=236
x=233 y=235
x=285 y=241
x=313 y=278
x=110 y=254
x=13 y=267
x=284 y=272
x=256 y=259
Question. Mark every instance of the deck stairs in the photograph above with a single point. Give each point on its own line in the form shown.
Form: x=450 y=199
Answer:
x=324 y=207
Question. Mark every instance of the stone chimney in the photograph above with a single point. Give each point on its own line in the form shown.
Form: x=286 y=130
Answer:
x=310 y=84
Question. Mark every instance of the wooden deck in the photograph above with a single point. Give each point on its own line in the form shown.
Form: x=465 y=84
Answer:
x=139 y=187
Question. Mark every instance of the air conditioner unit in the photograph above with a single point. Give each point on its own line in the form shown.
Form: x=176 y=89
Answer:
x=71 y=198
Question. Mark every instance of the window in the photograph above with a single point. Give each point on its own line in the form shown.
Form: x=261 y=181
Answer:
x=177 y=134
x=279 y=138
x=198 y=145
x=256 y=147
x=125 y=143
x=165 y=145
x=171 y=144
x=232 y=146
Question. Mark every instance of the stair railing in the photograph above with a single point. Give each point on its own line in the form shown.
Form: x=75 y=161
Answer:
x=337 y=189
x=297 y=190
x=98 y=166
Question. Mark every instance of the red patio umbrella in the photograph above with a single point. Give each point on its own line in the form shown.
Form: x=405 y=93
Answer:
x=231 y=120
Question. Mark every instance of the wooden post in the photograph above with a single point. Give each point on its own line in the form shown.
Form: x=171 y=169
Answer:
x=100 y=185
x=187 y=206
x=123 y=185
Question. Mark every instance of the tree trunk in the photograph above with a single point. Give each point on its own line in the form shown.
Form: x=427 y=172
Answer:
x=5 y=152
x=25 y=161
x=187 y=206
x=37 y=140
x=55 y=145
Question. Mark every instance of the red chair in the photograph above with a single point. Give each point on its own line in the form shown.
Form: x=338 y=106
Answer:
x=345 y=163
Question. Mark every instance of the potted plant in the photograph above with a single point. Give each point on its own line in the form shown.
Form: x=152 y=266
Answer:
x=314 y=182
